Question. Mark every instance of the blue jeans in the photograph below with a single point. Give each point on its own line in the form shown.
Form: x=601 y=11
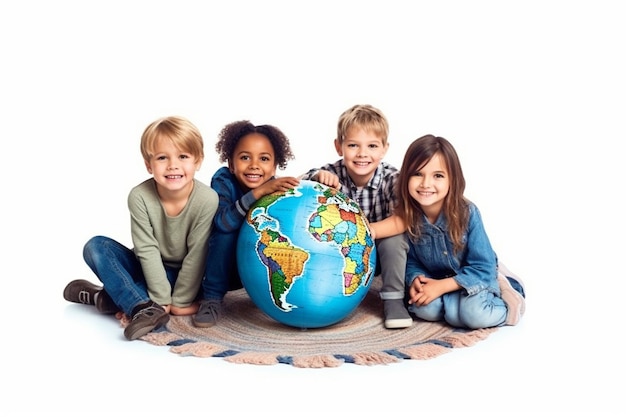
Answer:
x=221 y=274
x=120 y=272
x=481 y=310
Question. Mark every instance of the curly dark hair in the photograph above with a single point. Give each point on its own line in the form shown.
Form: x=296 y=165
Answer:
x=233 y=132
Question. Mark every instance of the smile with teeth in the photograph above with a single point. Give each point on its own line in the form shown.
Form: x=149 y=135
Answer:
x=173 y=177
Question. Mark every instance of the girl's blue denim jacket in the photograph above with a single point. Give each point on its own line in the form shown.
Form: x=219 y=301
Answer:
x=432 y=255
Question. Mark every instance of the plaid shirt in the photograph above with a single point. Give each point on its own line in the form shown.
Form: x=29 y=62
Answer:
x=377 y=199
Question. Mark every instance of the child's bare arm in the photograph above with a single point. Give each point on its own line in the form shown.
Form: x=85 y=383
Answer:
x=392 y=225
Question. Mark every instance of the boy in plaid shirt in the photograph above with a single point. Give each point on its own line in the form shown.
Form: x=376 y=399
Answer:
x=362 y=175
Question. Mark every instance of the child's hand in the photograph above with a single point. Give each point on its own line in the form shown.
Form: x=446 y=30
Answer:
x=184 y=311
x=277 y=184
x=327 y=178
x=415 y=290
x=423 y=290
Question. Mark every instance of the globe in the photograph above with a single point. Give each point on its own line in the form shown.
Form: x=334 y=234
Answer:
x=306 y=257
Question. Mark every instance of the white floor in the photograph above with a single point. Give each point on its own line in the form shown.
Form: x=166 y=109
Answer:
x=67 y=360
x=532 y=95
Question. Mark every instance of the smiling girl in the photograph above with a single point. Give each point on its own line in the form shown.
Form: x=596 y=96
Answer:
x=452 y=272
x=252 y=154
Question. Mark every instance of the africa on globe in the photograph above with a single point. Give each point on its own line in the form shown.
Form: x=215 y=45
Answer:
x=306 y=257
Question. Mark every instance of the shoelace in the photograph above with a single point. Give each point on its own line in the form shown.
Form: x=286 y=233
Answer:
x=211 y=308
x=148 y=312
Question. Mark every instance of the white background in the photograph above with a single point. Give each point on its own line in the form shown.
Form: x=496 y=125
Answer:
x=532 y=94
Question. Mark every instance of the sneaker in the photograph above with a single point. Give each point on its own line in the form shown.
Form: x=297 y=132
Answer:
x=396 y=315
x=515 y=281
x=81 y=291
x=208 y=313
x=513 y=298
x=145 y=321
x=104 y=303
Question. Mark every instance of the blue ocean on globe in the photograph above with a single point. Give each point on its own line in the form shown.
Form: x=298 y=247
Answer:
x=306 y=257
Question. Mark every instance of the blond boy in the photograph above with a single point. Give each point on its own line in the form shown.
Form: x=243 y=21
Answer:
x=361 y=174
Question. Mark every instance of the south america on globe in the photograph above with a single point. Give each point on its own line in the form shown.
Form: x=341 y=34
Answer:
x=306 y=256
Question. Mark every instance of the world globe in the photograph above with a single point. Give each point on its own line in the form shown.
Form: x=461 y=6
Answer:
x=306 y=257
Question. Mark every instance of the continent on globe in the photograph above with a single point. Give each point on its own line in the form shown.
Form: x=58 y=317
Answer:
x=313 y=235
x=284 y=263
x=337 y=221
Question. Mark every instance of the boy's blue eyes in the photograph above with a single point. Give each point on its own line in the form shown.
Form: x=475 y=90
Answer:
x=354 y=145
x=162 y=157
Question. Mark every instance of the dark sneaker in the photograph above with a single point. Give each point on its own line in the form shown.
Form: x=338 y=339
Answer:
x=396 y=315
x=512 y=292
x=81 y=291
x=104 y=303
x=208 y=314
x=145 y=321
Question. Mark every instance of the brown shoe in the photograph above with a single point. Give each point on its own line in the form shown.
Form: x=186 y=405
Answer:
x=104 y=303
x=84 y=292
x=145 y=321
x=81 y=291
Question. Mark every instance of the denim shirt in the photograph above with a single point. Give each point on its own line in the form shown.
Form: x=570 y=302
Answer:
x=234 y=203
x=432 y=255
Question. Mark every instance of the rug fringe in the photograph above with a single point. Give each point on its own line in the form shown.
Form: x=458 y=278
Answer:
x=462 y=339
x=160 y=338
x=373 y=358
x=123 y=318
x=199 y=349
x=424 y=351
x=253 y=358
x=316 y=361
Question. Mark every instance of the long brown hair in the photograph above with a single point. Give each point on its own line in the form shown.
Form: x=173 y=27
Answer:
x=455 y=205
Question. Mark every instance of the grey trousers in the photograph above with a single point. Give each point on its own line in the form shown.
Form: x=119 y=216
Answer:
x=391 y=259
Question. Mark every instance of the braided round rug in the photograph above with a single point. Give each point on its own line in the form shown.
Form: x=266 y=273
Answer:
x=245 y=334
